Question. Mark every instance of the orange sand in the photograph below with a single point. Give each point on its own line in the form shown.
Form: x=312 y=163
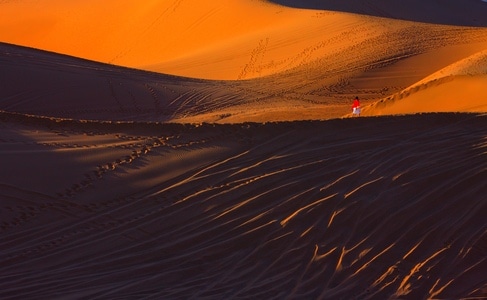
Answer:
x=299 y=63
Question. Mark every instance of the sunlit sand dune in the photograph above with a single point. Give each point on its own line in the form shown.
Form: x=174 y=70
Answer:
x=458 y=87
x=297 y=63
x=450 y=94
x=145 y=35
x=234 y=39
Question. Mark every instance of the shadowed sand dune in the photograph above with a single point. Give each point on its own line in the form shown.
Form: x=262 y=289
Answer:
x=452 y=12
x=370 y=208
x=47 y=84
x=118 y=182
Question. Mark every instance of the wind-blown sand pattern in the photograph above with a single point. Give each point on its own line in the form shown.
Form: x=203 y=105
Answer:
x=183 y=150
x=300 y=210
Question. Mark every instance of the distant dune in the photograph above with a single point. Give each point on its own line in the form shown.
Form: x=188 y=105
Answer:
x=205 y=149
x=449 y=12
x=458 y=87
x=298 y=63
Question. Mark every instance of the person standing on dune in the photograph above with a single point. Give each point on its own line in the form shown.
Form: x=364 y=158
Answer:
x=356 y=107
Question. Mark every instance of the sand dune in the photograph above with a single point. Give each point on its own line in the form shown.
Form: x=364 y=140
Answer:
x=234 y=39
x=46 y=84
x=448 y=94
x=143 y=35
x=118 y=182
x=296 y=64
x=457 y=87
x=389 y=207
x=43 y=83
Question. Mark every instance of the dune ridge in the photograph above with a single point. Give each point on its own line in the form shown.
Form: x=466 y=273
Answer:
x=457 y=87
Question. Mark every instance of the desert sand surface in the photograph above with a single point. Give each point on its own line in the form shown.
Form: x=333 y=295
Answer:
x=371 y=208
x=312 y=60
x=205 y=150
x=451 y=12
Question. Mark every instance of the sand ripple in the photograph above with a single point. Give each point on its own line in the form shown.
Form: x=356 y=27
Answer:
x=383 y=208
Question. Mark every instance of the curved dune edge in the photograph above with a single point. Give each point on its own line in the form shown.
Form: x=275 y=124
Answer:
x=448 y=94
x=386 y=207
x=457 y=87
x=475 y=64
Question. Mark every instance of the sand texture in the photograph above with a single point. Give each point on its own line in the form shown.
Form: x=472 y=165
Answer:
x=206 y=149
x=385 y=207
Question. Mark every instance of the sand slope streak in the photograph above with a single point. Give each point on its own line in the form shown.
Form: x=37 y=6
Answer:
x=385 y=207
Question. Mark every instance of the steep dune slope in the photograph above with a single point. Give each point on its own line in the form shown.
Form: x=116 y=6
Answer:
x=52 y=85
x=457 y=87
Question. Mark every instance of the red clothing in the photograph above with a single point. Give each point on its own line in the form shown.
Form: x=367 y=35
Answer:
x=356 y=103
